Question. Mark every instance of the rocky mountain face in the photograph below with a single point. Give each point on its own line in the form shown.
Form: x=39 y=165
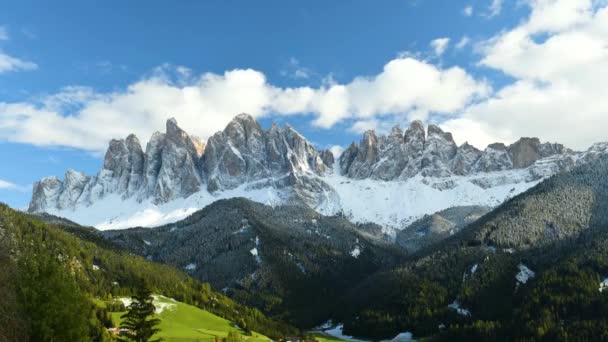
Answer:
x=178 y=174
x=176 y=165
x=434 y=153
x=431 y=229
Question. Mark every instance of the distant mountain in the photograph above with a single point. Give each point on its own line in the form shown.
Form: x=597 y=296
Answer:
x=433 y=228
x=390 y=180
x=289 y=261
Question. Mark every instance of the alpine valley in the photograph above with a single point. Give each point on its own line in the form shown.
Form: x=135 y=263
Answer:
x=401 y=236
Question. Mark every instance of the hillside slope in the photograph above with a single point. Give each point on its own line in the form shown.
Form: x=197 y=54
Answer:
x=56 y=273
x=531 y=269
x=289 y=261
x=185 y=323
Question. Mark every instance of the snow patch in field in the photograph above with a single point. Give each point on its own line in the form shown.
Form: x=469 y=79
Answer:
x=160 y=304
x=403 y=337
x=125 y=301
x=524 y=274
x=338 y=332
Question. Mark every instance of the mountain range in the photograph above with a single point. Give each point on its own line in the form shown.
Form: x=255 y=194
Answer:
x=405 y=233
x=391 y=179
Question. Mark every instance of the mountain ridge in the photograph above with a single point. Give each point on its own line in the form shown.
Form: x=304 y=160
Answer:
x=177 y=173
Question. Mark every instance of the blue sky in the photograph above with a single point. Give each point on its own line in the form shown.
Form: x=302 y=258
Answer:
x=117 y=67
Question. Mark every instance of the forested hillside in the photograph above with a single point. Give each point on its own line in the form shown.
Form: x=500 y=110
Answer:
x=288 y=261
x=52 y=273
x=530 y=270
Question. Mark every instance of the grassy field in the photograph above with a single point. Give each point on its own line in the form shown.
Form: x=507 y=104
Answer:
x=326 y=338
x=184 y=323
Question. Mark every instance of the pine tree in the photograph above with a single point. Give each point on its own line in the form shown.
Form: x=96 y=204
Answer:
x=141 y=327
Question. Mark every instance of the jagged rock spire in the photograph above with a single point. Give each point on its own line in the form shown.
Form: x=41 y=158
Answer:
x=435 y=154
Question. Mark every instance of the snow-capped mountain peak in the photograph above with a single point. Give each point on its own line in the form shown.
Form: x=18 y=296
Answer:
x=391 y=180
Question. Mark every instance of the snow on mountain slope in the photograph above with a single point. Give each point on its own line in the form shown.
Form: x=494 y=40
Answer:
x=393 y=204
x=396 y=204
x=390 y=180
x=114 y=212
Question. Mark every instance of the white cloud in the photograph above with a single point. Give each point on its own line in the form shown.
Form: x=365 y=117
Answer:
x=9 y=63
x=82 y=118
x=468 y=11
x=559 y=57
x=463 y=42
x=3 y=33
x=7 y=185
x=494 y=9
x=439 y=45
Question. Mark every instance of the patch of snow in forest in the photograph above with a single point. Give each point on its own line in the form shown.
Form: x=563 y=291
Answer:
x=338 y=332
x=125 y=301
x=474 y=269
x=603 y=285
x=524 y=274
x=460 y=310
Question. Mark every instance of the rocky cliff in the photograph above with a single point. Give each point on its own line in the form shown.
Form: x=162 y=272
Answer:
x=389 y=179
x=176 y=165
x=434 y=153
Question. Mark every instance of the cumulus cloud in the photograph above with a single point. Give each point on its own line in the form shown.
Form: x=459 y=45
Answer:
x=439 y=45
x=559 y=58
x=82 y=118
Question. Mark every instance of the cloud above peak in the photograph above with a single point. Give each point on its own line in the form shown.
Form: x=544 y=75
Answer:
x=559 y=58
x=81 y=118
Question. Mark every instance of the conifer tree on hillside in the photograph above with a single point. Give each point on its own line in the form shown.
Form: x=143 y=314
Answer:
x=138 y=320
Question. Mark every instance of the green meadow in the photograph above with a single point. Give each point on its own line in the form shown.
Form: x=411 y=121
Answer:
x=184 y=323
